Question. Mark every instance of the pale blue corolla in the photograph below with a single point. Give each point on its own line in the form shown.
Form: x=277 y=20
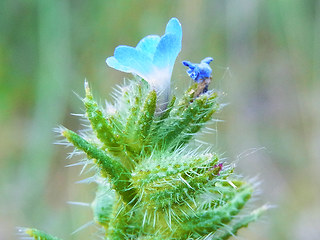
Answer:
x=152 y=59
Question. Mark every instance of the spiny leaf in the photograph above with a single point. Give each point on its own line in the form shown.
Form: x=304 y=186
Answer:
x=208 y=110
x=185 y=100
x=102 y=205
x=123 y=225
x=36 y=234
x=210 y=220
x=243 y=222
x=146 y=116
x=118 y=174
x=174 y=182
x=133 y=112
x=173 y=131
x=168 y=110
x=164 y=115
x=99 y=123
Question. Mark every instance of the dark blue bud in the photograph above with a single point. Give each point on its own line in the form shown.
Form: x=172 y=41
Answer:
x=199 y=71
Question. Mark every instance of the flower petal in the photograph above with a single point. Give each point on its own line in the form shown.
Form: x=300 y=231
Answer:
x=169 y=45
x=113 y=62
x=174 y=27
x=167 y=51
x=188 y=64
x=148 y=45
x=207 y=60
x=152 y=59
x=134 y=60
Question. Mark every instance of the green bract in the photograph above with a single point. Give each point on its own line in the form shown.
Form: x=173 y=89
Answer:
x=151 y=183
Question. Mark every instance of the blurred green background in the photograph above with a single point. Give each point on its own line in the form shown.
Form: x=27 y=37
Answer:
x=267 y=61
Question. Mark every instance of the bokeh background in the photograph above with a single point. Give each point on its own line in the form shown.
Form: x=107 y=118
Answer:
x=267 y=61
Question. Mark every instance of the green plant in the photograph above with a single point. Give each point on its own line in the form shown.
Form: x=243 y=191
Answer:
x=152 y=184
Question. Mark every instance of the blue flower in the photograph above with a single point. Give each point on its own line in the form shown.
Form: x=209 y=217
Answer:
x=153 y=58
x=201 y=71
